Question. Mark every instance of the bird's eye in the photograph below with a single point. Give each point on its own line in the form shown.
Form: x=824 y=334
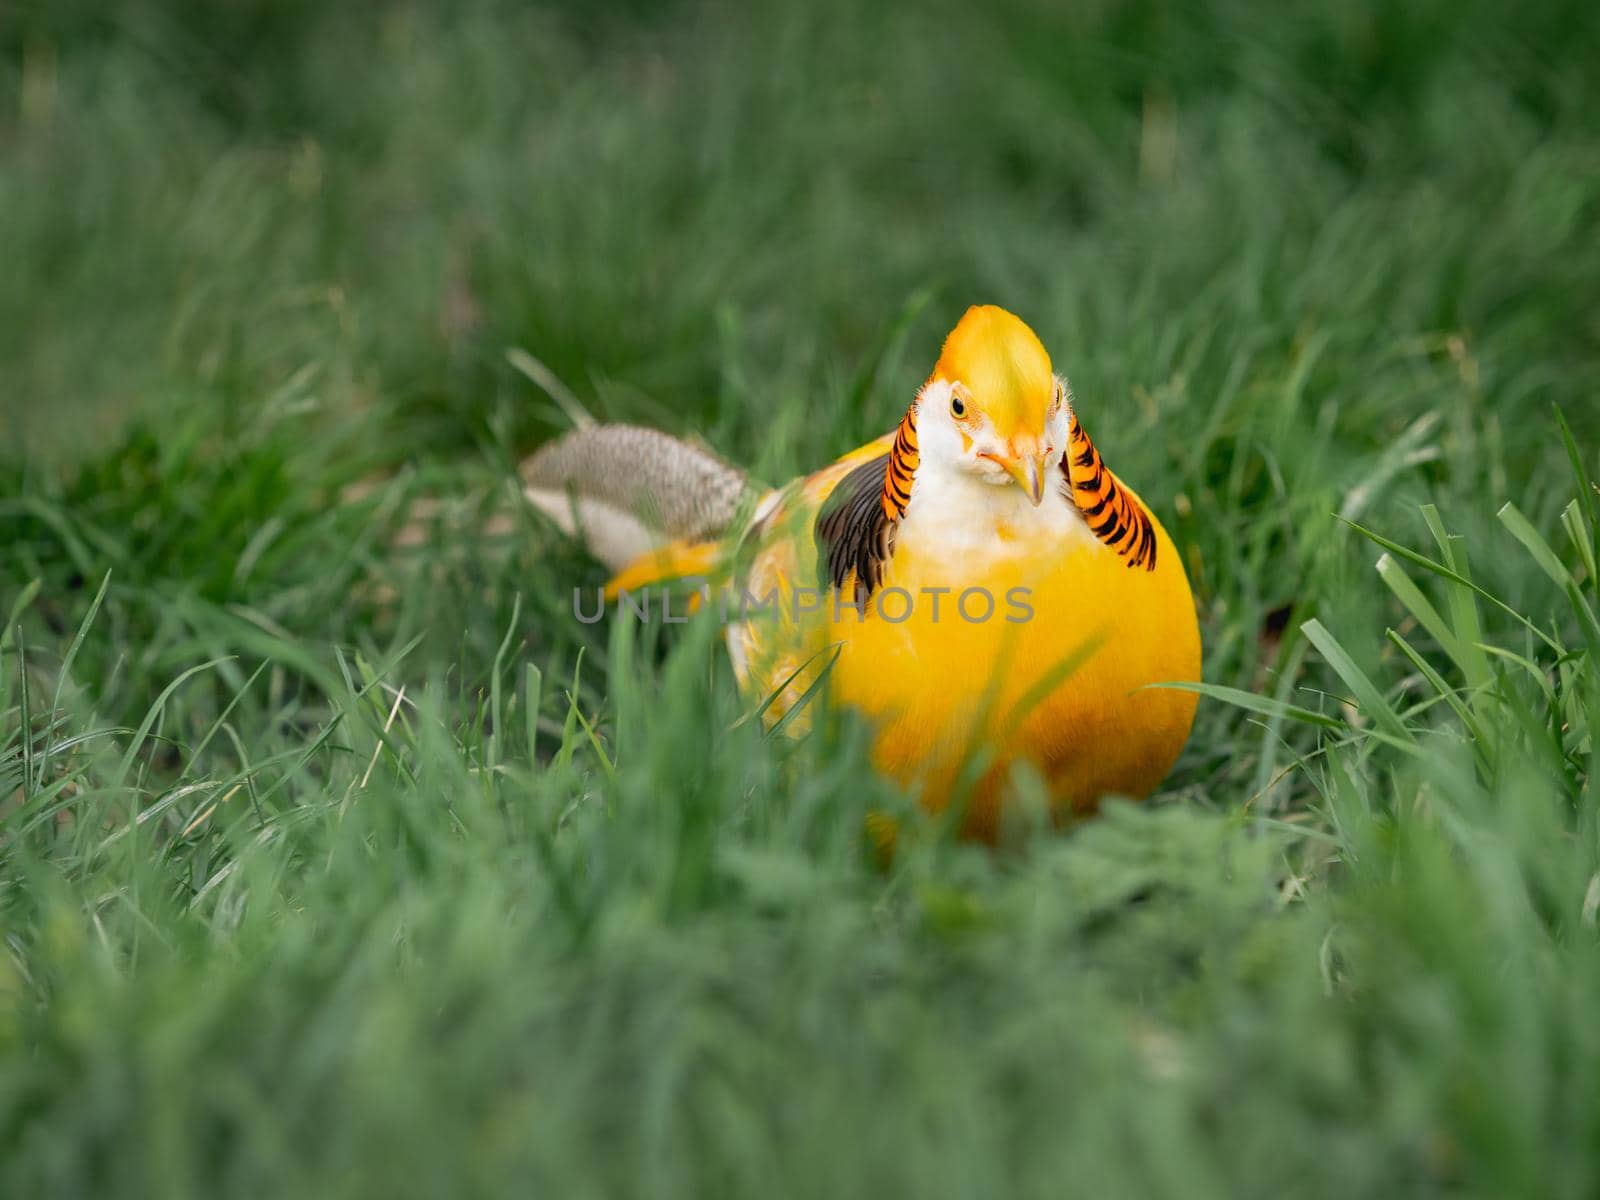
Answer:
x=958 y=406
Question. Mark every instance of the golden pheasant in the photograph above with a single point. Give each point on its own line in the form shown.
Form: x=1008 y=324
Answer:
x=977 y=582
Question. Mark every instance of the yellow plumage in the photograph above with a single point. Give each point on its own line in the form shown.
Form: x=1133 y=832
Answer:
x=977 y=581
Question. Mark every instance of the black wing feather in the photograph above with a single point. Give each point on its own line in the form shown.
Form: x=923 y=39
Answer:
x=854 y=535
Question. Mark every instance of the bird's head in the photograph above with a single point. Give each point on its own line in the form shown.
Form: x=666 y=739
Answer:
x=992 y=406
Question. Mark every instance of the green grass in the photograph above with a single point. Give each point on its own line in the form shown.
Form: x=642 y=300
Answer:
x=339 y=860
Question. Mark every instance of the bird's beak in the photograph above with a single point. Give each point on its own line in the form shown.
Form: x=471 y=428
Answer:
x=1029 y=472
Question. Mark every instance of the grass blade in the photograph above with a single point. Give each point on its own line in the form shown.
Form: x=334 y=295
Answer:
x=1368 y=699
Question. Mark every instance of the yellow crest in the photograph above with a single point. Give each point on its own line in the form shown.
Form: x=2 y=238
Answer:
x=1002 y=363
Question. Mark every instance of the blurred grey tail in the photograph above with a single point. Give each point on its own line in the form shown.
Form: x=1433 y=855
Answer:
x=625 y=489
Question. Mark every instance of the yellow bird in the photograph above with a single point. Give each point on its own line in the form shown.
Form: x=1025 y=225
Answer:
x=977 y=582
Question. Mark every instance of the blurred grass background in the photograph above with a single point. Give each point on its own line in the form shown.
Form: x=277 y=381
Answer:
x=337 y=858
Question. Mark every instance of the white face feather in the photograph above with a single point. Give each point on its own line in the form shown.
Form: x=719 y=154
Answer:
x=939 y=435
x=958 y=498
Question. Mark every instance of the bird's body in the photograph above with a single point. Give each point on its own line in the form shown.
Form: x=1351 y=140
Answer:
x=976 y=583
